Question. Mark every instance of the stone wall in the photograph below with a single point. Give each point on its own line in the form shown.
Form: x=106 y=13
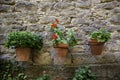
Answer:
x=66 y=72
x=84 y=16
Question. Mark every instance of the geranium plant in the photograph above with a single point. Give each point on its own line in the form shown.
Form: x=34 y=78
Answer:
x=59 y=36
x=101 y=35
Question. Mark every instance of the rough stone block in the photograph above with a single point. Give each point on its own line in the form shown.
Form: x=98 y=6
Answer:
x=82 y=58
x=47 y=19
x=108 y=58
x=18 y=27
x=32 y=19
x=106 y=1
x=117 y=56
x=77 y=21
x=118 y=0
x=12 y=22
x=11 y=2
x=115 y=19
x=96 y=1
x=63 y=5
x=8 y=56
x=43 y=58
x=36 y=28
x=116 y=10
x=4 y=8
x=87 y=58
x=2 y=39
x=77 y=49
x=2 y=30
x=9 y=15
x=7 y=52
x=25 y=6
x=102 y=71
x=84 y=4
x=108 y=6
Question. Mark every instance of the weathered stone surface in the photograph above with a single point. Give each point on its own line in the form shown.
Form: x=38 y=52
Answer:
x=45 y=6
x=25 y=6
x=96 y=1
x=63 y=5
x=83 y=4
x=2 y=30
x=9 y=15
x=113 y=46
x=47 y=19
x=118 y=0
x=106 y=0
x=75 y=21
x=81 y=58
x=117 y=56
x=68 y=13
x=78 y=48
x=12 y=21
x=5 y=50
x=43 y=58
x=11 y=2
x=116 y=10
x=4 y=8
x=88 y=58
x=115 y=19
x=18 y=28
x=35 y=28
x=108 y=57
x=2 y=39
x=101 y=71
x=117 y=36
x=32 y=19
x=8 y=56
x=109 y=5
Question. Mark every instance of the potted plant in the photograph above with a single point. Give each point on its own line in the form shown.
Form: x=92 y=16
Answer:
x=23 y=42
x=97 y=40
x=62 y=40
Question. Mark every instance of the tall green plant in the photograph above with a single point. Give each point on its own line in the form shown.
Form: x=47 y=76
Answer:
x=24 y=39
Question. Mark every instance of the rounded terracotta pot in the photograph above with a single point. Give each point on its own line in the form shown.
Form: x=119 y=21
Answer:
x=23 y=54
x=96 y=47
x=61 y=49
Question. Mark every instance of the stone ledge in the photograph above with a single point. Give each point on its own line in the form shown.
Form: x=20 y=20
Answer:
x=88 y=58
x=102 y=71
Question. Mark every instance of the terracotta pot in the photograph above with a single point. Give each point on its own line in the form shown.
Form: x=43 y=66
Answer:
x=96 y=47
x=61 y=46
x=23 y=54
x=61 y=49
